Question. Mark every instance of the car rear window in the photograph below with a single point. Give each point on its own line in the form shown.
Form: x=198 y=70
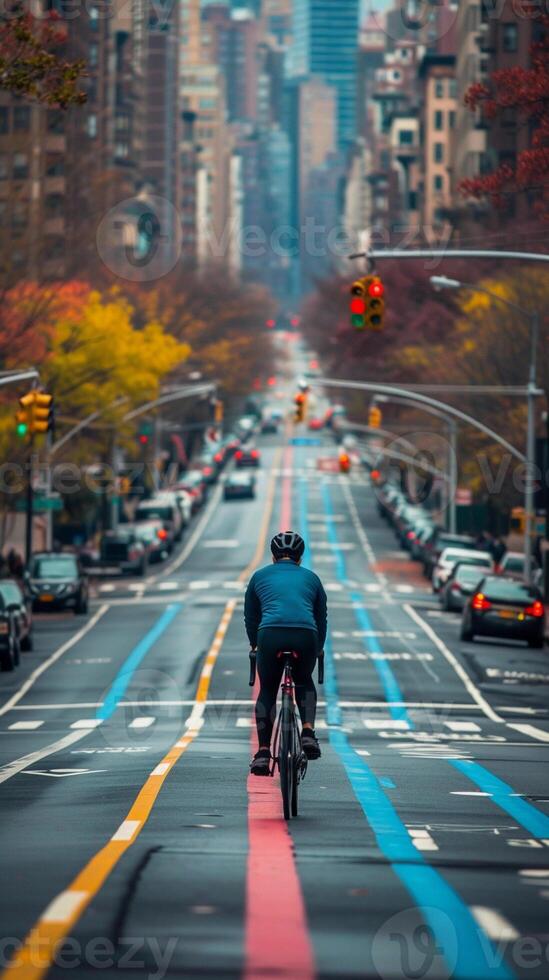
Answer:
x=507 y=589
x=10 y=592
x=468 y=573
x=154 y=510
x=514 y=565
x=447 y=540
x=55 y=568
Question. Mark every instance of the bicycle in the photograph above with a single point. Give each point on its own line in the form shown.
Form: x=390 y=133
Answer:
x=288 y=754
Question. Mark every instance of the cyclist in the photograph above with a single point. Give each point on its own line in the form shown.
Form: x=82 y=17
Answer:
x=285 y=609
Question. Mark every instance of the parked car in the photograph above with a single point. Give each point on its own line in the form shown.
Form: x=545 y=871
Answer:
x=461 y=583
x=451 y=557
x=504 y=608
x=163 y=507
x=12 y=598
x=239 y=485
x=56 y=580
x=513 y=564
x=9 y=639
x=193 y=483
x=154 y=537
x=435 y=545
x=269 y=425
x=418 y=540
x=247 y=457
x=185 y=504
x=123 y=551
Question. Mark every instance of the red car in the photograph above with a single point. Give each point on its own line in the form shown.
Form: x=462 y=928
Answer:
x=316 y=424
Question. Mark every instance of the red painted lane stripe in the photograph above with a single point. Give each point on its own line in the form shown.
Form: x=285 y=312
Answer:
x=277 y=937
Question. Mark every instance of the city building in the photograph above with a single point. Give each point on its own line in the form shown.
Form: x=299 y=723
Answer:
x=325 y=43
x=438 y=115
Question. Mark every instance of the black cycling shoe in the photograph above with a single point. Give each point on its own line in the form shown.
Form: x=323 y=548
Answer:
x=310 y=744
x=261 y=763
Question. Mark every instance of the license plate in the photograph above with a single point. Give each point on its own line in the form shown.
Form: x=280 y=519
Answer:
x=508 y=614
x=46 y=597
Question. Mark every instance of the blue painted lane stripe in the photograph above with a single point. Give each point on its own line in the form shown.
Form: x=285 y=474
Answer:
x=388 y=679
x=130 y=665
x=468 y=952
x=535 y=822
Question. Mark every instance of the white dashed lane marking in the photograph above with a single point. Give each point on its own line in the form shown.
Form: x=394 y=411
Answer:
x=143 y=721
x=494 y=924
x=25 y=726
x=87 y=723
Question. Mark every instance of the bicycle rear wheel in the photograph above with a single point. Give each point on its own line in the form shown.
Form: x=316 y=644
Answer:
x=286 y=761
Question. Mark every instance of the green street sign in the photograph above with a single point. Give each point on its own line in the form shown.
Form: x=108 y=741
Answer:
x=41 y=504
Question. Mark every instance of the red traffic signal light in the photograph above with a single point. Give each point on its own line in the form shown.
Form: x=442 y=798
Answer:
x=376 y=289
x=358 y=305
x=143 y=438
x=271 y=324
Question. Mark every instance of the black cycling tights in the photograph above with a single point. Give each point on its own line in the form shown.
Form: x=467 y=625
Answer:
x=272 y=639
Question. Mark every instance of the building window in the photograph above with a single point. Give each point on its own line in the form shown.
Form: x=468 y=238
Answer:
x=20 y=166
x=406 y=137
x=439 y=120
x=3 y=166
x=21 y=118
x=56 y=121
x=93 y=55
x=438 y=183
x=91 y=125
x=451 y=119
x=439 y=88
x=438 y=152
x=54 y=205
x=55 y=166
x=121 y=151
x=452 y=88
x=19 y=216
x=4 y=120
x=510 y=37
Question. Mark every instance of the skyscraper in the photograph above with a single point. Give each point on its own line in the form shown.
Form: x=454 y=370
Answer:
x=325 y=44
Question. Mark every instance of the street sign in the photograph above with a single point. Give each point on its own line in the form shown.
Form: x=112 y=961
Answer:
x=464 y=497
x=41 y=504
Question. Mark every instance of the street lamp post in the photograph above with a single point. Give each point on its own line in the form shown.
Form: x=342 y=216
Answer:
x=443 y=282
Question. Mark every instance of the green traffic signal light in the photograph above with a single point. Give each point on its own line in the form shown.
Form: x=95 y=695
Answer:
x=22 y=429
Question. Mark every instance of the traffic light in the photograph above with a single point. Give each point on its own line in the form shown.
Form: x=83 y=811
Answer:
x=358 y=304
x=374 y=417
x=344 y=462
x=300 y=406
x=375 y=303
x=23 y=417
x=35 y=417
x=42 y=413
x=367 y=303
x=218 y=410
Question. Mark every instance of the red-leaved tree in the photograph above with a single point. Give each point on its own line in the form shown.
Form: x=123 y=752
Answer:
x=525 y=91
x=31 y=62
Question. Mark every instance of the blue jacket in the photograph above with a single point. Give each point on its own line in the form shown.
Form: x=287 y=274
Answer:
x=285 y=594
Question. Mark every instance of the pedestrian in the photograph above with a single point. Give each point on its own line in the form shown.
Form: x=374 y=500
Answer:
x=498 y=550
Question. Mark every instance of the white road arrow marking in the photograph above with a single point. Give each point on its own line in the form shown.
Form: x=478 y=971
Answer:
x=60 y=773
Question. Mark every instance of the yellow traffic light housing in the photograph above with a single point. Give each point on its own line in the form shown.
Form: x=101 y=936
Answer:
x=300 y=406
x=375 y=417
x=42 y=415
x=358 y=304
x=23 y=417
x=375 y=313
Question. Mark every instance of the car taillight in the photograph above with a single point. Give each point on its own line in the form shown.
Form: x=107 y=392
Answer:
x=239 y=454
x=4 y=628
x=455 y=587
x=218 y=457
x=536 y=609
x=255 y=453
x=411 y=536
x=207 y=471
x=480 y=602
x=162 y=534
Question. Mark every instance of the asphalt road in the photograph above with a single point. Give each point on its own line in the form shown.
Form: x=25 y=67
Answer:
x=135 y=844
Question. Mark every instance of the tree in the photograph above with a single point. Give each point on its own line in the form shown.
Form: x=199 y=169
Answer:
x=524 y=92
x=30 y=65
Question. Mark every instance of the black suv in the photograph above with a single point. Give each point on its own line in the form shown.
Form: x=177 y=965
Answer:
x=15 y=602
x=55 y=580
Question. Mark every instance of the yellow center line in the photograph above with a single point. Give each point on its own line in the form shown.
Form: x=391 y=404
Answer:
x=36 y=954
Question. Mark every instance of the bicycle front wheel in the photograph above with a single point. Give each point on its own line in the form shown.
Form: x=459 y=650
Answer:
x=286 y=761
